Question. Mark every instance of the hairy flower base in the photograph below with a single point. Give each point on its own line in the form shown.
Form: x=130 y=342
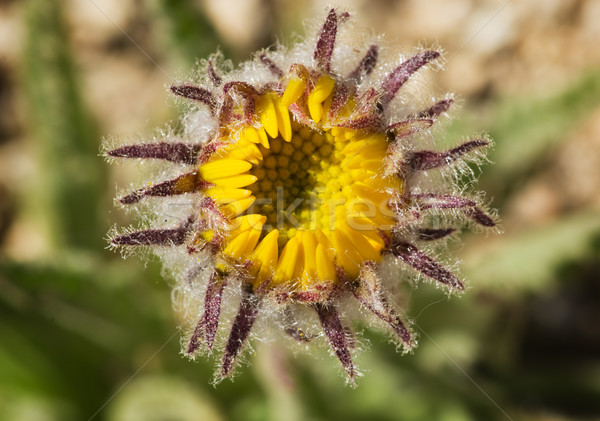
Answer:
x=307 y=182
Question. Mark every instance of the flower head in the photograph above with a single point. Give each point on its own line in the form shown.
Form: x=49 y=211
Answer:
x=303 y=172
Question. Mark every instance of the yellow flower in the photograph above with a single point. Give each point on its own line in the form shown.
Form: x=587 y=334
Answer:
x=306 y=180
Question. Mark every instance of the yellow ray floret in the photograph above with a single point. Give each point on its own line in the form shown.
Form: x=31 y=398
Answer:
x=246 y=222
x=235 y=181
x=268 y=115
x=293 y=91
x=283 y=119
x=309 y=245
x=262 y=137
x=251 y=134
x=324 y=264
x=242 y=242
x=244 y=150
x=286 y=265
x=234 y=209
x=346 y=254
x=221 y=168
x=322 y=90
x=225 y=195
x=264 y=257
x=236 y=246
x=362 y=246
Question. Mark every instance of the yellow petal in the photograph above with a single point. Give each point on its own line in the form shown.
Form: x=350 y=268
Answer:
x=353 y=162
x=283 y=120
x=224 y=195
x=245 y=222
x=365 y=226
x=323 y=239
x=287 y=262
x=251 y=134
x=309 y=245
x=378 y=245
x=366 y=250
x=347 y=255
x=264 y=257
x=382 y=221
x=372 y=164
x=235 y=181
x=262 y=136
x=299 y=267
x=322 y=90
x=223 y=168
x=293 y=91
x=367 y=192
x=236 y=246
x=268 y=116
x=233 y=209
x=241 y=246
x=253 y=236
x=374 y=180
x=248 y=152
x=364 y=145
x=325 y=270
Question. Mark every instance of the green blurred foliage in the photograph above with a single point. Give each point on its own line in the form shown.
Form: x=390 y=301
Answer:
x=186 y=30
x=86 y=335
x=70 y=180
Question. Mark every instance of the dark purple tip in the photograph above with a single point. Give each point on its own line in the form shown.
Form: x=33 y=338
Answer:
x=436 y=109
x=196 y=93
x=209 y=322
x=273 y=68
x=480 y=217
x=408 y=127
x=326 y=42
x=212 y=74
x=366 y=65
x=247 y=92
x=394 y=81
x=415 y=258
x=337 y=335
x=184 y=153
x=369 y=294
x=212 y=307
x=152 y=237
x=446 y=201
x=186 y=183
x=242 y=325
x=431 y=234
x=427 y=160
x=366 y=122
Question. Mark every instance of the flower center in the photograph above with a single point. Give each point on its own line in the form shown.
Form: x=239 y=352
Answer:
x=301 y=183
x=302 y=201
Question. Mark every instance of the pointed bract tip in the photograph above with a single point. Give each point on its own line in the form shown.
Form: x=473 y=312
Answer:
x=337 y=336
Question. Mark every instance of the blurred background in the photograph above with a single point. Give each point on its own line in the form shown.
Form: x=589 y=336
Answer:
x=86 y=335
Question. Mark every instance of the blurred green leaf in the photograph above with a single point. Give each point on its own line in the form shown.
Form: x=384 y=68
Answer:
x=66 y=193
x=525 y=130
x=65 y=323
x=187 y=31
x=527 y=261
x=159 y=398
